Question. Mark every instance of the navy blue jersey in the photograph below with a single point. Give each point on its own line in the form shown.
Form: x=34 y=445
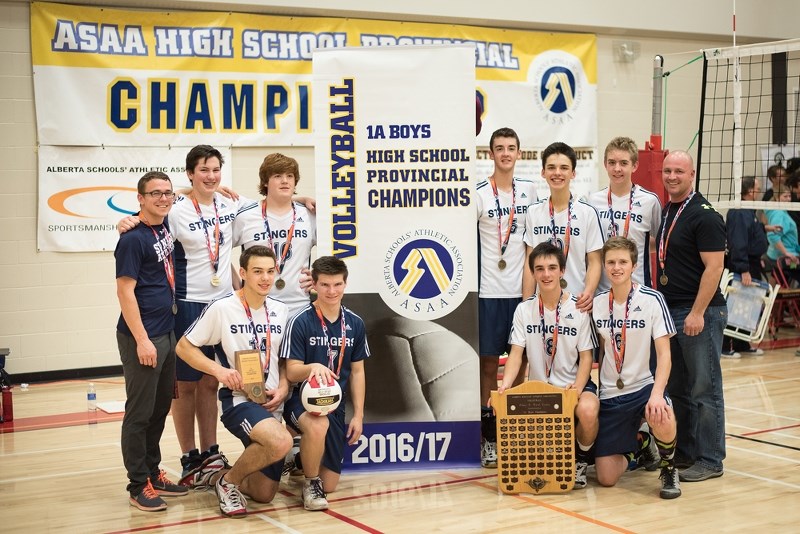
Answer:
x=140 y=255
x=305 y=341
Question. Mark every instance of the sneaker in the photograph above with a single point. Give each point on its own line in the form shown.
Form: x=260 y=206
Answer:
x=190 y=464
x=203 y=475
x=165 y=487
x=752 y=352
x=489 y=454
x=148 y=500
x=649 y=458
x=731 y=355
x=231 y=501
x=699 y=473
x=291 y=462
x=580 y=474
x=670 y=483
x=314 y=497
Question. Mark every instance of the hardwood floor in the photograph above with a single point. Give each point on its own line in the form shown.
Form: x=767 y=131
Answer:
x=60 y=470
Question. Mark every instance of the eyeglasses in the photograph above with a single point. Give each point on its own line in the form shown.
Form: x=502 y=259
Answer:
x=155 y=195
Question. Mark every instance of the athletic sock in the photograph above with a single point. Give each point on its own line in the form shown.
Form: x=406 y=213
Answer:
x=488 y=424
x=667 y=451
x=582 y=452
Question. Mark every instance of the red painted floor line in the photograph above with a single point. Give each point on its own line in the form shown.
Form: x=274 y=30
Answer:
x=24 y=424
x=351 y=521
x=756 y=432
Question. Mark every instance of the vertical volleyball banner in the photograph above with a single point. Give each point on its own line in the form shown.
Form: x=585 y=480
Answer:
x=395 y=148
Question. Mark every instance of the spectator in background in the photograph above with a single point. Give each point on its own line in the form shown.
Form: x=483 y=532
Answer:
x=747 y=242
x=783 y=236
x=777 y=176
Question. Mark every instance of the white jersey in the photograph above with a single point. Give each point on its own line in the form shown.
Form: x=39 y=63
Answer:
x=586 y=236
x=225 y=321
x=644 y=221
x=249 y=230
x=193 y=267
x=496 y=282
x=575 y=334
x=648 y=319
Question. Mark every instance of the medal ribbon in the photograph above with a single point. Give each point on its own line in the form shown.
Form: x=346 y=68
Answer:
x=627 y=218
x=548 y=366
x=554 y=239
x=169 y=266
x=662 y=245
x=267 y=335
x=288 y=243
x=503 y=242
x=213 y=255
x=619 y=354
x=331 y=353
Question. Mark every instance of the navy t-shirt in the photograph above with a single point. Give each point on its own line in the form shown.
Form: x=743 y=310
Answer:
x=140 y=255
x=304 y=341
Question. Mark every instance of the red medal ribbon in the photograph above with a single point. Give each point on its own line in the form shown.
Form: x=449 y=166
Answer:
x=627 y=218
x=287 y=245
x=503 y=242
x=213 y=255
x=548 y=366
x=662 y=245
x=619 y=354
x=267 y=335
x=554 y=239
x=331 y=352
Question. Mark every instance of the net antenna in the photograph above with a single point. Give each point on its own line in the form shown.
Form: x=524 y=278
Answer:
x=748 y=119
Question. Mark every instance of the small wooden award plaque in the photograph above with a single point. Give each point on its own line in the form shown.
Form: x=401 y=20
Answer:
x=248 y=363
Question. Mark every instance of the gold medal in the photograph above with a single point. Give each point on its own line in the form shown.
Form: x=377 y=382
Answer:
x=663 y=279
x=620 y=383
x=215 y=281
x=174 y=308
x=563 y=283
x=280 y=283
x=501 y=264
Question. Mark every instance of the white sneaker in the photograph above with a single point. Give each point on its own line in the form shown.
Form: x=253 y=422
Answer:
x=488 y=453
x=731 y=355
x=314 y=497
x=580 y=474
x=231 y=501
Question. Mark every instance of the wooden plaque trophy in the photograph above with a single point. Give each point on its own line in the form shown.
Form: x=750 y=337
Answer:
x=248 y=363
x=535 y=438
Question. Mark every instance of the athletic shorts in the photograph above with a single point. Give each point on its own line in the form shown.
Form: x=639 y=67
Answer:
x=495 y=319
x=620 y=419
x=335 y=438
x=188 y=312
x=240 y=419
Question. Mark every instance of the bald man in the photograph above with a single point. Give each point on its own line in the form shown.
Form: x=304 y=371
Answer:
x=691 y=254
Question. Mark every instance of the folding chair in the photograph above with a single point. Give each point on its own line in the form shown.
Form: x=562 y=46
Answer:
x=749 y=307
x=787 y=302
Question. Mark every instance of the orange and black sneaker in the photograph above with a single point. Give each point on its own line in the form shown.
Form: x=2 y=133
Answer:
x=147 y=499
x=165 y=487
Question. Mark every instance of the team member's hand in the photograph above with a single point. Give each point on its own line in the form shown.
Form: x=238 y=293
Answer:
x=306 y=282
x=571 y=386
x=693 y=324
x=226 y=191
x=127 y=223
x=584 y=302
x=747 y=280
x=276 y=397
x=323 y=375
x=354 y=430
x=230 y=378
x=657 y=411
x=146 y=351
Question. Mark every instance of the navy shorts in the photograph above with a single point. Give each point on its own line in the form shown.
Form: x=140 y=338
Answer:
x=495 y=319
x=335 y=438
x=620 y=419
x=188 y=312
x=240 y=419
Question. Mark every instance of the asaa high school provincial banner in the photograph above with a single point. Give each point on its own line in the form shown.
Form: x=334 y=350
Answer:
x=116 y=80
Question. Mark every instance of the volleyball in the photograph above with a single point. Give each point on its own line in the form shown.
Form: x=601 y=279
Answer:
x=320 y=399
